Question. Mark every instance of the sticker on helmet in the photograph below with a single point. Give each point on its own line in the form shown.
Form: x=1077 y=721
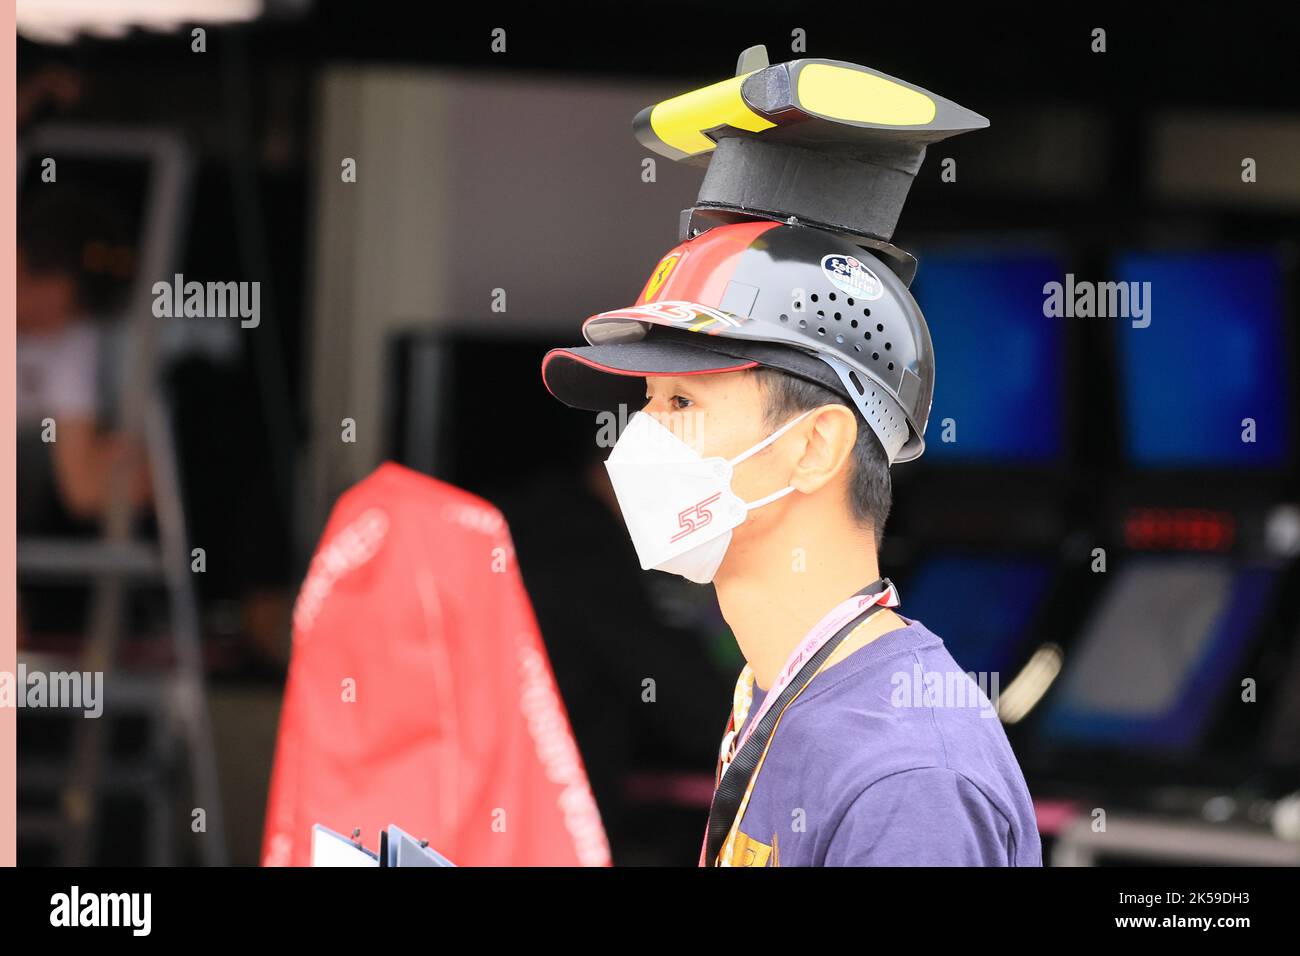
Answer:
x=689 y=315
x=660 y=276
x=849 y=275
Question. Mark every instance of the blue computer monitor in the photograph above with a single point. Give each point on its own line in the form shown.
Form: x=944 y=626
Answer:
x=1213 y=355
x=1157 y=654
x=999 y=379
x=980 y=607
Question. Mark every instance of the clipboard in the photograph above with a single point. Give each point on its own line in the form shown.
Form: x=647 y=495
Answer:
x=330 y=848
x=396 y=848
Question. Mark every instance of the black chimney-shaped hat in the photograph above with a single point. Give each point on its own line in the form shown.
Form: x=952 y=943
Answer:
x=826 y=143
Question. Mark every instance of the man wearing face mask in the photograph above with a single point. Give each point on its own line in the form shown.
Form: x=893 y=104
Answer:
x=777 y=369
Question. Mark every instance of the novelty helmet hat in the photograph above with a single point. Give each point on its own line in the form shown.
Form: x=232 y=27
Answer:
x=762 y=293
x=788 y=260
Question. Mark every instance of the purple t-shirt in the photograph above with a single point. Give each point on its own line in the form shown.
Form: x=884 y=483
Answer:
x=891 y=757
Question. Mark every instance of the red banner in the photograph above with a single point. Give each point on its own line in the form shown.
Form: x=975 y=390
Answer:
x=420 y=693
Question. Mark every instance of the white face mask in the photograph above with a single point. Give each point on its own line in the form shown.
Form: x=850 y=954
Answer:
x=677 y=505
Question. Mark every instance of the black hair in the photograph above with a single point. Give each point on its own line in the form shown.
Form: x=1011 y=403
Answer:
x=69 y=230
x=870 y=490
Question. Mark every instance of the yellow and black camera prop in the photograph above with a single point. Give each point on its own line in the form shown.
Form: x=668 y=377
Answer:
x=822 y=142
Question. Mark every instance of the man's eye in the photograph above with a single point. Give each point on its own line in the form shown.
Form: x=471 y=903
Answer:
x=675 y=402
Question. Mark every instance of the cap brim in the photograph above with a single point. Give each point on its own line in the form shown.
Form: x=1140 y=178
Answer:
x=601 y=377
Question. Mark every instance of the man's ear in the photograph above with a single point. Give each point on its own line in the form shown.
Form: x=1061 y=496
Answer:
x=831 y=434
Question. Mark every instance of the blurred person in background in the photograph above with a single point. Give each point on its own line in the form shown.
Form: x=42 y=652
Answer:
x=72 y=262
x=68 y=246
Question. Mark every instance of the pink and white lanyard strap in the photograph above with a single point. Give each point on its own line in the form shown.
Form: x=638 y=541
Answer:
x=743 y=697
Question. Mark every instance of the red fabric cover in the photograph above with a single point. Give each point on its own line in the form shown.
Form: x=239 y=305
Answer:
x=420 y=694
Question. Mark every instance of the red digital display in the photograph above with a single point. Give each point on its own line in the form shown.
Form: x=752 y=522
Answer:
x=1179 y=529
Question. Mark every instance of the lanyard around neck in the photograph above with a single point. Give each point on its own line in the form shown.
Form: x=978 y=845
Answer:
x=879 y=593
x=805 y=661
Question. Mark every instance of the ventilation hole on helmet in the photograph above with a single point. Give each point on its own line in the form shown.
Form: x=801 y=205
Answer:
x=821 y=314
x=784 y=317
x=867 y=336
x=891 y=366
x=837 y=316
x=866 y=311
x=849 y=301
x=875 y=356
x=803 y=323
x=857 y=347
x=832 y=296
x=839 y=339
x=813 y=296
x=888 y=346
x=798 y=306
x=821 y=330
x=879 y=327
x=853 y=322
x=857 y=383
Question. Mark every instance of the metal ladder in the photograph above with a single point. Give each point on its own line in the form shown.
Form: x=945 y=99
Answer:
x=176 y=700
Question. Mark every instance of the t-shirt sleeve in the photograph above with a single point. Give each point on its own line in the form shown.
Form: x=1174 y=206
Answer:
x=73 y=379
x=924 y=817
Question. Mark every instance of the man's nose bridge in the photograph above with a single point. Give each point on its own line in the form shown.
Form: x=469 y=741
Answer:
x=686 y=426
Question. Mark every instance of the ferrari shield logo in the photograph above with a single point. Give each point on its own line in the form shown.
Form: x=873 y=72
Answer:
x=660 y=276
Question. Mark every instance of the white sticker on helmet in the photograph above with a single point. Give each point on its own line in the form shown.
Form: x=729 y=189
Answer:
x=849 y=275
